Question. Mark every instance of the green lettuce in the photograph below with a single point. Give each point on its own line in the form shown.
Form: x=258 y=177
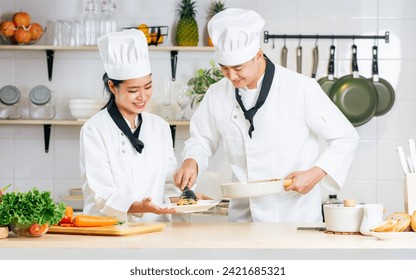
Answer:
x=26 y=208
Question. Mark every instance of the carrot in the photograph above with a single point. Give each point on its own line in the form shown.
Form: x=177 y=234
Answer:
x=93 y=221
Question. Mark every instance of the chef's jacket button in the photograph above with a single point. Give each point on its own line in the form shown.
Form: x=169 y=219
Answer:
x=236 y=106
x=235 y=116
x=123 y=151
x=122 y=143
x=122 y=134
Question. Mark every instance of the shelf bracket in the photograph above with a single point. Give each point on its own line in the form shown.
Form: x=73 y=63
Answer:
x=49 y=60
x=173 y=132
x=47 y=135
x=173 y=63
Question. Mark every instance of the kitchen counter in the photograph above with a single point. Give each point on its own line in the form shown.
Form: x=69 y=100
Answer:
x=211 y=241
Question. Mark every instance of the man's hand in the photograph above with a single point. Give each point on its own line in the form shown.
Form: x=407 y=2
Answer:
x=304 y=181
x=187 y=174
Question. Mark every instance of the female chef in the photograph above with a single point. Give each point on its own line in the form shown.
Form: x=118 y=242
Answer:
x=126 y=154
x=269 y=120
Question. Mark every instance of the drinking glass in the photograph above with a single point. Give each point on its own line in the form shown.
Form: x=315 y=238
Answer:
x=183 y=99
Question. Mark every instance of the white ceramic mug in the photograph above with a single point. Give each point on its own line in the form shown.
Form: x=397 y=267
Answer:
x=373 y=214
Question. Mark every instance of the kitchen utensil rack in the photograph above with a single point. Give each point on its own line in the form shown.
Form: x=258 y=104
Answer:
x=267 y=36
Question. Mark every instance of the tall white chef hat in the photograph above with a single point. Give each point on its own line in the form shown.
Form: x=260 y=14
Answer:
x=235 y=34
x=125 y=54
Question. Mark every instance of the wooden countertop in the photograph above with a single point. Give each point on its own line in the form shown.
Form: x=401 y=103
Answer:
x=205 y=240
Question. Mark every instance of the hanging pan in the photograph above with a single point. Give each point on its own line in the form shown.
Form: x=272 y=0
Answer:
x=385 y=91
x=327 y=82
x=354 y=95
x=299 y=58
x=284 y=56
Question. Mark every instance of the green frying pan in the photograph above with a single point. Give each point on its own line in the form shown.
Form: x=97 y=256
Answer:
x=327 y=82
x=385 y=91
x=355 y=95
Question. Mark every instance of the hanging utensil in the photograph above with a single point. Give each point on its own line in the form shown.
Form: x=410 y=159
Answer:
x=385 y=91
x=315 y=58
x=354 y=95
x=327 y=82
x=299 y=58
x=283 y=56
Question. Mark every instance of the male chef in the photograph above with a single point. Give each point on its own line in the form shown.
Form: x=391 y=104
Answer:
x=269 y=120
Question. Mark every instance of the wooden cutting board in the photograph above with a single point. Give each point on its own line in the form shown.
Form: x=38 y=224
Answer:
x=121 y=230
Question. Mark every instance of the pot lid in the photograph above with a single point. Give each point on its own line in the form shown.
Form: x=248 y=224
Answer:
x=9 y=95
x=40 y=95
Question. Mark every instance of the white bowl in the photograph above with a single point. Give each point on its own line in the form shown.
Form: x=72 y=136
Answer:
x=83 y=113
x=253 y=188
x=85 y=106
x=340 y=218
x=75 y=201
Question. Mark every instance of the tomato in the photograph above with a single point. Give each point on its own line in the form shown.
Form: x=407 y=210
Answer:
x=38 y=230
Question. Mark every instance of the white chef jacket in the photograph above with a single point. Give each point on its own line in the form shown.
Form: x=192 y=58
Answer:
x=114 y=174
x=287 y=129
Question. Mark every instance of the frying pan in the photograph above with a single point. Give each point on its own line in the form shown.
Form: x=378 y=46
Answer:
x=327 y=82
x=254 y=188
x=284 y=56
x=385 y=91
x=315 y=58
x=354 y=95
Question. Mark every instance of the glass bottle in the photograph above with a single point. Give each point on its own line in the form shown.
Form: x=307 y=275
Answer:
x=90 y=23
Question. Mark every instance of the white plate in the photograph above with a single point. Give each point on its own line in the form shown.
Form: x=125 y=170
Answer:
x=201 y=206
x=393 y=235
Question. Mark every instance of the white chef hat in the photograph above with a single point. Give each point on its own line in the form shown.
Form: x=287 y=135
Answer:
x=125 y=54
x=235 y=34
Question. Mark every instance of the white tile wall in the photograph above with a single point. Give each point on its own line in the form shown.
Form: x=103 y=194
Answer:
x=376 y=175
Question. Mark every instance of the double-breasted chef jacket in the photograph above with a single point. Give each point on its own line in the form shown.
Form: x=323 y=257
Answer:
x=288 y=134
x=114 y=174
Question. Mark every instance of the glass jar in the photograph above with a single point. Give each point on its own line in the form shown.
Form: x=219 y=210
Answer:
x=42 y=103
x=332 y=199
x=10 y=104
x=90 y=24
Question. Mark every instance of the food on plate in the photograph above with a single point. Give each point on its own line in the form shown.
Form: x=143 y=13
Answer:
x=188 y=197
x=38 y=230
x=413 y=221
x=21 y=19
x=7 y=28
x=21 y=210
x=396 y=222
x=94 y=221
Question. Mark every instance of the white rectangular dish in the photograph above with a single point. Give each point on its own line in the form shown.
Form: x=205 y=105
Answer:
x=201 y=206
x=254 y=188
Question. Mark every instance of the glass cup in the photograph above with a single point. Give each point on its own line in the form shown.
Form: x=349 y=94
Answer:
x=183 y=99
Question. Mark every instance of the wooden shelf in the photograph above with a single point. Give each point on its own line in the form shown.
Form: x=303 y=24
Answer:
x=47 y=126
x=68 y=122
x=95 y=48
x=50 y=51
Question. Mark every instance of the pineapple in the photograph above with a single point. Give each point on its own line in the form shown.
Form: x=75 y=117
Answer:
x=216 y=7
x=187 y=28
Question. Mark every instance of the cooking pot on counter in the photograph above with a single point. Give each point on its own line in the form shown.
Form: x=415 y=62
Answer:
x=343 y=217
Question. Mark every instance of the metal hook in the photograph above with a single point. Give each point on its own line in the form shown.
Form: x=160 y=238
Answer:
x=284 y=40
x=273 y=44
x=316 y=41
x=300 y=39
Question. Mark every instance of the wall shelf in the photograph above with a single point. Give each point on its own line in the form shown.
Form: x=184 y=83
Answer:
x=47 y=126
x=50 y=51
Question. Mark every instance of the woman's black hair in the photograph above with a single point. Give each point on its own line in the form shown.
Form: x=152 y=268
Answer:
x=116 y=83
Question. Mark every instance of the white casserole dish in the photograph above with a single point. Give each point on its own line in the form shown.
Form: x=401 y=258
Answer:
x=340 y=218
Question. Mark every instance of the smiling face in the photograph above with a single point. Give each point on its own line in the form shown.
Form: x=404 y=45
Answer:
x=246 y=74
x=132 y=96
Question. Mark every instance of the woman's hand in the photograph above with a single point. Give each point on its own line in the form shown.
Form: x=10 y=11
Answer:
x=304 y=181
x=186 y=175
x=147 y=206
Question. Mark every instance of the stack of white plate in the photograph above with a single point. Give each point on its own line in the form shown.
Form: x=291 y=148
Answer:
x=85 y=108
x=75 y=199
